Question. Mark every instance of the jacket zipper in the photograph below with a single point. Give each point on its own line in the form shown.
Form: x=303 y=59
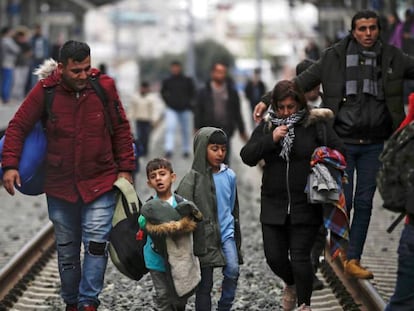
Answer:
x=77 y=95
x=287 y=186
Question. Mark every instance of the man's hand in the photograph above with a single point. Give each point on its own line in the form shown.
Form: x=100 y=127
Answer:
x=259 y=111
x=11 y=177
x=127 y=176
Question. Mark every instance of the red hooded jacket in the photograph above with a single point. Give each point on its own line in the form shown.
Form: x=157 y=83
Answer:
x=83 y=159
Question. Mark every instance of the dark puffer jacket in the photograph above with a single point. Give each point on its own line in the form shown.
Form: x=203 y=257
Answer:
x=283 y=184
x=177 y=92
x=330 y=71
x=83 y=160
x=204 y=110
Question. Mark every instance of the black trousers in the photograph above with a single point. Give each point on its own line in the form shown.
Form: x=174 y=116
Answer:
x=287 y=250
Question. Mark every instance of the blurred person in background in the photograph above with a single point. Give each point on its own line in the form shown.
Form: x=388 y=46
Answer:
x=10 y=50
x=407 y=45
x=144 y=112
x=254 y=89
x=22 y=68
x=218 y=105
x=178 y=92
x=393 y=33
x=40 y=52
x=312 y=50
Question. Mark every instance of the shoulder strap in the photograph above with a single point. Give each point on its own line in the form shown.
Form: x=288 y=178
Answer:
x=48 y=100
x=50 y=94
x=102 y=96
x=130 y=200
x=178 y=198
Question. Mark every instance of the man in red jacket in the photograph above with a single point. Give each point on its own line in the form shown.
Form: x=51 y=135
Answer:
x=89 y=147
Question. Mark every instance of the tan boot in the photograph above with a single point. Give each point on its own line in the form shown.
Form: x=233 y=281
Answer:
x=353 y=268
x=289 y=298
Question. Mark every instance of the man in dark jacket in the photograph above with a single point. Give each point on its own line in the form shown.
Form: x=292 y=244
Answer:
x=254 y=89
x=362 y=79
x=177 y=92
x=83 y=162
x=218 y=105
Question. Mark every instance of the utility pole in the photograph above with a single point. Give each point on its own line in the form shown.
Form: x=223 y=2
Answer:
x=190 y=62
x=259 y=34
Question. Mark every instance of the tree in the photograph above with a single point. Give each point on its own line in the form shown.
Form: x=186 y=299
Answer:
x=206 y=53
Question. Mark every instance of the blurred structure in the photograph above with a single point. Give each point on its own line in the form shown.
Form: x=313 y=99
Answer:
x=54 y=16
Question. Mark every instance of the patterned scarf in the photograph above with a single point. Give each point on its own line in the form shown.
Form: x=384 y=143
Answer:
x=362 y=68
x=290 y=121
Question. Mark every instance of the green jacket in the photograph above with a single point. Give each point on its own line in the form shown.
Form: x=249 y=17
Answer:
x=198 y=186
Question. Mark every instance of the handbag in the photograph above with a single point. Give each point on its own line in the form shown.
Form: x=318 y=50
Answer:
x=31 y=165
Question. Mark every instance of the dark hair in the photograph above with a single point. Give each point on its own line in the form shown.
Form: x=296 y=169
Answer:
x=218 y=138
x=144 y=84
x=75 y=50
x=365 y=14
x=287 y=88
x=5 y=30
x=157 y=163
x=102 y=68
x=175 y=63
x=303 y=65
x=218 y=63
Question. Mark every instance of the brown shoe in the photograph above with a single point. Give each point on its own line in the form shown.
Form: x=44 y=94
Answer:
x=353 y=268
x=289 y=298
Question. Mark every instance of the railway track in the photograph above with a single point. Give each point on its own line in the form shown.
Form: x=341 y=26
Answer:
x=19 y=273
x=38 y=289
x=30 y=281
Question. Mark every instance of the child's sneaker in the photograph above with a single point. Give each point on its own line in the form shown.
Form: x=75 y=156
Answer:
x=289 y=298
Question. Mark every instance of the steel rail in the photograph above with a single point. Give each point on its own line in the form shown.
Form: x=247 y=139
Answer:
x=363 y=292
x=25 y=259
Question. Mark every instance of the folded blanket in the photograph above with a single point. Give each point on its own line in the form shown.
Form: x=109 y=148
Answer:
x=335 y=214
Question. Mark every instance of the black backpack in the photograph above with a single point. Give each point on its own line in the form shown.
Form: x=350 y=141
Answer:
x=96 y=85
x=395 y=176
x=126 y=247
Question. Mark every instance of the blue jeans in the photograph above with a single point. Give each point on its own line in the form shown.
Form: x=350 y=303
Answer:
x=403 y=297
x=172 y=119
x=143 y=131
x=364 y=161
x=229 y=284
x=88 y=223
x=6 y=83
